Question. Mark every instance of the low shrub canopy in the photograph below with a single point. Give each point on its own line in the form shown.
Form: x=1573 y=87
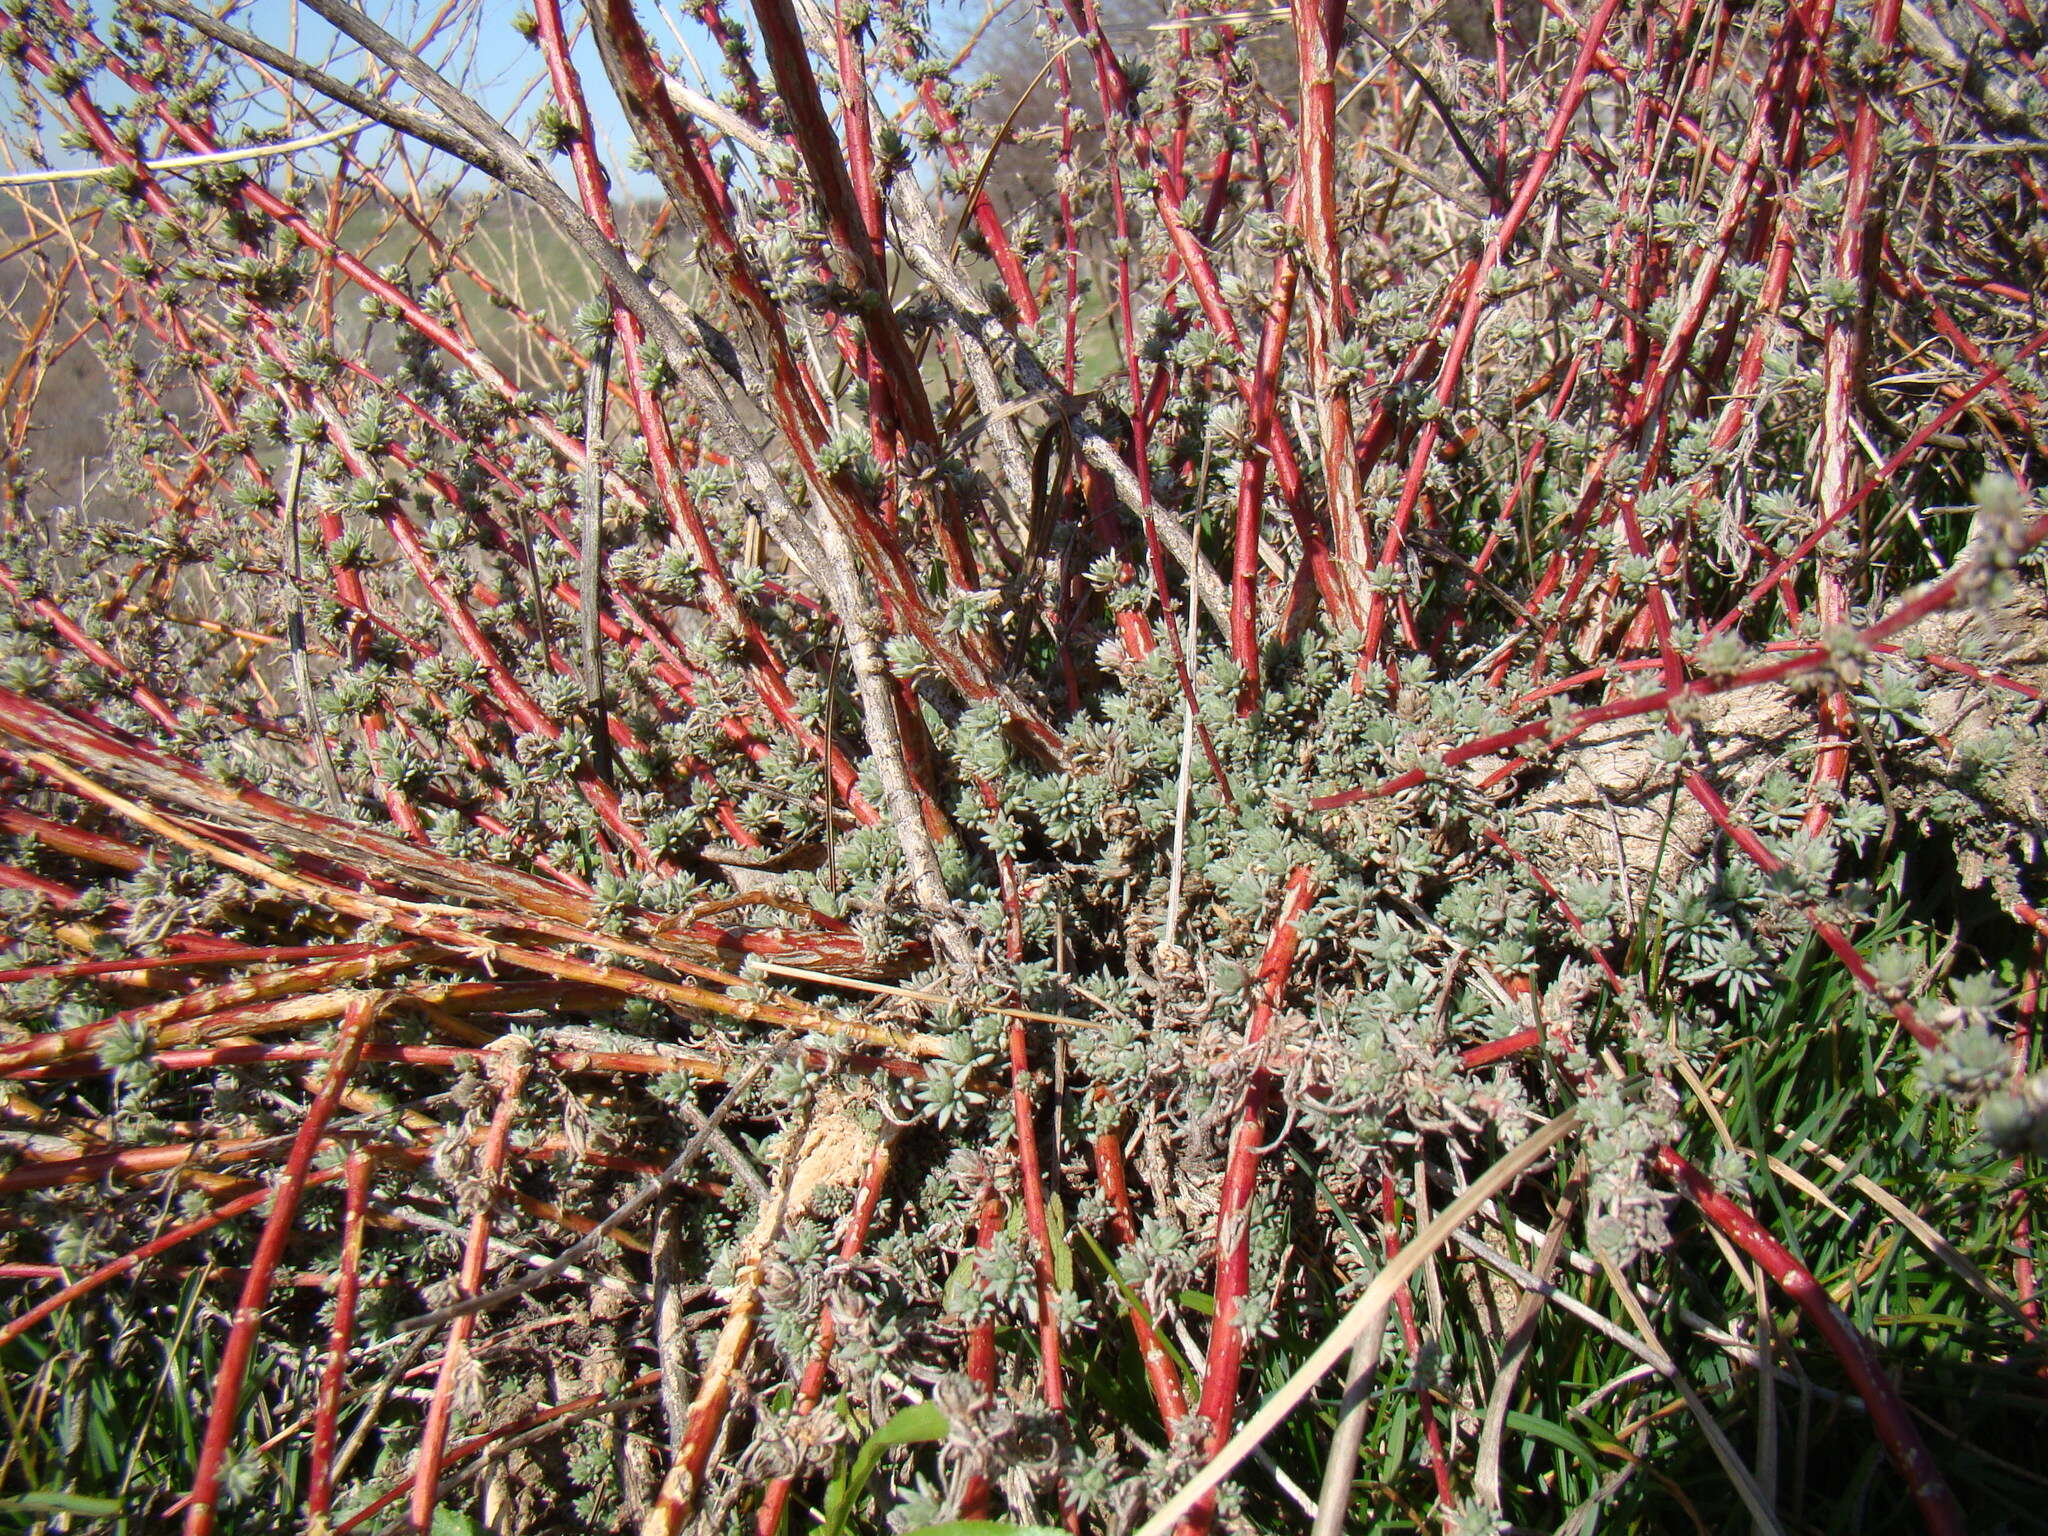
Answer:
x=848 y=842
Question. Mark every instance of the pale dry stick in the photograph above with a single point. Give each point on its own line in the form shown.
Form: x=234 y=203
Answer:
x=1002 y=135
x=914 y=994
x=1581 y=1517
x=1365 y=1321
x=828 y=735
x=1928 y=38
x=376 y=1397
x=189 y=162
x=669 y=1280
x=1613 y=1386
x=1729 y=1344
x=477 y=139
x=1988 y=147
x=1535 y=1284
x=696 y=104
x=997 y=419
x=827 y=1149
x=1514 y=1354
x=922 y=246
x=1805 y=1186
x=874 y=683
x=173 y=1351
x=495 y=1450
x=1930 y=1241
x=502 y=1251
x=1290 y=1490
x=1766 y=1396
x=1333 y=1502
x=1760 y=1511
x=1432 y=1282
x=1740 y=1267
x=736 y=1161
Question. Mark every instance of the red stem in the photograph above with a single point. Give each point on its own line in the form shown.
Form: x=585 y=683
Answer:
x=981 y=1353
x=356 y=1201
x=1159 y=1372
x=508 y=1067
x=277 y=1231
x=1411 y=1335
x=1888 y=1413
x=1218 y=1403
x=812 y=1386
x=114 y=1269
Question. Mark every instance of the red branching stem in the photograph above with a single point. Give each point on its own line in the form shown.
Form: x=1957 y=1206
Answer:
x=767 y=673
x=464 y=352
x=93 y=847
x=14 y=877
x=440 y=1057
x=1030 y=1173
x=277 y=1230
x=92 y=651
x=1159 y=1371
x=1006 y=875
x=512 y=697
x=1791 y=662
x=1318 y=39
x=508 y=1067
x=1031 y=1176
x=1828 y=932
x=981 y=1352
x=2027 y=1018
x=833 y=180
x=811 y=1387
x=1451 y=369
x=1888 y=1412
x=114 y=1269
x=1477 y=1056
x=347 y=1291
x=240 y=954
x=1790 y=562
x=60 y=1045
x=1251 y=488
x=1113 y=86
x=1016 y=283
x=848 y=218
x=213 y=1274
x=1842 y=363
x=1218 y=1402
x=1411 y=1335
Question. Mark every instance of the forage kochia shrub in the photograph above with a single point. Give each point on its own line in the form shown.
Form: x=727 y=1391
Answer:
x=881 y=790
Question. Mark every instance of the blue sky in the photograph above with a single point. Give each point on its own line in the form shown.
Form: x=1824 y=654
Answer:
x=502 y=69
x=480 y=49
